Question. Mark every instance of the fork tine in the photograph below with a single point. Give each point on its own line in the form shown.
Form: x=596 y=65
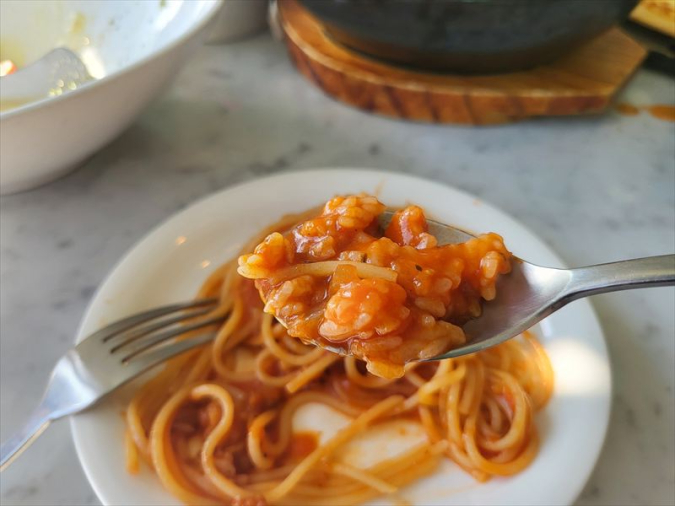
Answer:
x=150 y=359
x=153 y=340
x=113 y=329
x=89 y=371
x=144 y=330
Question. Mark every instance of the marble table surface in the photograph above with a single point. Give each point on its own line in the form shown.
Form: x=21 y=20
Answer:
x=595 y=188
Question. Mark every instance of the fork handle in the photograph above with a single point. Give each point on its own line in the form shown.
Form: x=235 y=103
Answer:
x=628 y=274
x=17 y=443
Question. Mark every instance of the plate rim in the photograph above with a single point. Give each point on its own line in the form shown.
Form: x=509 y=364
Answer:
x=347 y=171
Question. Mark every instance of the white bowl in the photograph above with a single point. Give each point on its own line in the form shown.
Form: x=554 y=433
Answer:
x=133 y=49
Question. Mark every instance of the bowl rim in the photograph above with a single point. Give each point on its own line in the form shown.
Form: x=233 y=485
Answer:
x=208 y=15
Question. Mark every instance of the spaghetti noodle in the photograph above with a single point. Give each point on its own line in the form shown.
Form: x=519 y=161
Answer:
x=215 y=424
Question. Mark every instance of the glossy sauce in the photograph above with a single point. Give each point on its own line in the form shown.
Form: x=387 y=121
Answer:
x=302 y=444
x=386 y=296
x=627 y=109
x=662 y=112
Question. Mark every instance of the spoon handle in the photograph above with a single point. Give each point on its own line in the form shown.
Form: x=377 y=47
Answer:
x=625 y=275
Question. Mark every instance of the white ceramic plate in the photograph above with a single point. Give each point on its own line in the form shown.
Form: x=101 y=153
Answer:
x=173 y=260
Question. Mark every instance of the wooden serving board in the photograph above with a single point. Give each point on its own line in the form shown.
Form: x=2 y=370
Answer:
x=582 y=82
x=658 y=15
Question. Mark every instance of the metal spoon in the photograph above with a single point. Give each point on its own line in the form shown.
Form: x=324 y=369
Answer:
x=530 y=293
x=57 y=72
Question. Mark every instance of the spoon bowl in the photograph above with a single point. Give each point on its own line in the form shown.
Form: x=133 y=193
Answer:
x=530 y=293
x=59 y=71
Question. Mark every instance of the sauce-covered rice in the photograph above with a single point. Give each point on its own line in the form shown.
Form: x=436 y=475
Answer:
x=387 y=297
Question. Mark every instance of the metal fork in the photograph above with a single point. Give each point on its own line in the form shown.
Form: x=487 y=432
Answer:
x=111 y=357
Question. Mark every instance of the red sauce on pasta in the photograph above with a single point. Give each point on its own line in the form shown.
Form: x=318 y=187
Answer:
x=386 y=296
